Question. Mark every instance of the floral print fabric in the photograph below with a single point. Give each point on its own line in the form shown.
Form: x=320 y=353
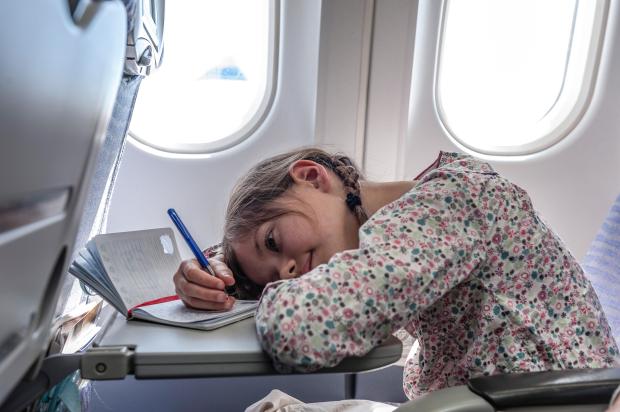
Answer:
x=463 y=263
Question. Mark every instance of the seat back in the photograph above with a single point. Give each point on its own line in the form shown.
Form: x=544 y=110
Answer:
x=59 y=73
x=602 y=265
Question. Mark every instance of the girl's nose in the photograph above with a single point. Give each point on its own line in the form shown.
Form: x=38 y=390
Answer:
x=287 y=270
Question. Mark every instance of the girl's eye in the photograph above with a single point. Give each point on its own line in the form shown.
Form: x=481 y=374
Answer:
x=270 y=242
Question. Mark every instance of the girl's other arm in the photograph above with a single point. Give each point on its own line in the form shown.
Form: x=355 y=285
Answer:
x=412 y=253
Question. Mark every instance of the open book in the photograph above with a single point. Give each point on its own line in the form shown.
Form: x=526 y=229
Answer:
x=133 y=272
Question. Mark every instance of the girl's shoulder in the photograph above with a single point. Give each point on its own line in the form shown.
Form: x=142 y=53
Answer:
x=453 y=169
x=463 y=162
x=452 y=177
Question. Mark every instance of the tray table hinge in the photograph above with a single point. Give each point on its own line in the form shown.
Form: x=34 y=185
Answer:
x=107 y=362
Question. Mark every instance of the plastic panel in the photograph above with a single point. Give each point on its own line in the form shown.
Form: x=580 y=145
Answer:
x=163 y=351
x=58 y=79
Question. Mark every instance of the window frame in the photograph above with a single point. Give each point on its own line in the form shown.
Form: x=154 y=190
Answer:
x=563 y=127
x=254 y=122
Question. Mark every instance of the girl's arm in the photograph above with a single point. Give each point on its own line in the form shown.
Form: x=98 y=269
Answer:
x=412 y=252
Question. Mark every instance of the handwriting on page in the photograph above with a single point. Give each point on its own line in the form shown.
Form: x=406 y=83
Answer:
x=139 y=267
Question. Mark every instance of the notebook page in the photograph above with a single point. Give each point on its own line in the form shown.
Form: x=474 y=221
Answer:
x=176 y=311
x=140 y=264
x=86 y=272
x=86 y=261
x=90 y=254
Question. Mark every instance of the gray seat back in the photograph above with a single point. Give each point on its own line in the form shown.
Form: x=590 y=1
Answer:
x=58 y=79
x=602 y=265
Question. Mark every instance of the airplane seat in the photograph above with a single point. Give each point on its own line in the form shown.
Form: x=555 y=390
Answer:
x=580 y=390
x=602 y=266
x=60 y=70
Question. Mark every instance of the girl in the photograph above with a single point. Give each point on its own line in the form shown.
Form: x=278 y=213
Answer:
x=458 y=257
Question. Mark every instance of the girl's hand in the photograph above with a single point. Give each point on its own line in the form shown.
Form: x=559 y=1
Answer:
x=199 y=290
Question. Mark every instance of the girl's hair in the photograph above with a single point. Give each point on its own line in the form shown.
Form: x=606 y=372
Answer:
x=252 y=202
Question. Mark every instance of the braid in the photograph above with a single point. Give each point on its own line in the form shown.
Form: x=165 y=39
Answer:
x=347 y=172
x=344 y=168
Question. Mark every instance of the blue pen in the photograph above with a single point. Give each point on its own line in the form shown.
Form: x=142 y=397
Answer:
x=190 y=241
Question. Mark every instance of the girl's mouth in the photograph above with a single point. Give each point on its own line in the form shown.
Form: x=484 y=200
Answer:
x=308 y=265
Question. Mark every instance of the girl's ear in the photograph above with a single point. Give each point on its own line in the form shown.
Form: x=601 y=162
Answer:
x=309 y=172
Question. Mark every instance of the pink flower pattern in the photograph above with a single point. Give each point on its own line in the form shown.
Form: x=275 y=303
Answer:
x=463 y=263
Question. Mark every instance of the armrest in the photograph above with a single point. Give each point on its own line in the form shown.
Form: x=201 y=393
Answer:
x=565 y=387
x=455 y=399
x=500 y=392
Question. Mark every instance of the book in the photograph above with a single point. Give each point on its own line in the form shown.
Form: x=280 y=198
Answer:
x=133 y=272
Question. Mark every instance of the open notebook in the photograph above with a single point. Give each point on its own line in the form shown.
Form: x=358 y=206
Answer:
x=133 y=272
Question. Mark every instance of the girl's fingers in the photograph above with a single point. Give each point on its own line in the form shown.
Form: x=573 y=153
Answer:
x=223 y=272
x=193 y=273
x=200 y=290
x=191 y=290
x=196 y=303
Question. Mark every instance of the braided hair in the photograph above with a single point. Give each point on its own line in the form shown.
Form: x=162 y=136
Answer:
x=349 y=174
x=252 y=202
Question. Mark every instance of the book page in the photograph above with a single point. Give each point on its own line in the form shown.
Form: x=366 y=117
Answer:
x=90 y=275
x=176 y=311
x=140 y=264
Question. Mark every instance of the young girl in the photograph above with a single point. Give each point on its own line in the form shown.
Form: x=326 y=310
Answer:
x=458 y=257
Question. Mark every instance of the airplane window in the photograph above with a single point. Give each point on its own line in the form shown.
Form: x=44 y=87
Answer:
x=216 y=80
x=515 y=76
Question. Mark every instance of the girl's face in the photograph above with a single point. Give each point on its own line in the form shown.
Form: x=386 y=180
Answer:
x=318 y=226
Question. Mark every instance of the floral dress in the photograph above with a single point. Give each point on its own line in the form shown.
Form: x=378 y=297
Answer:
x=463 y=263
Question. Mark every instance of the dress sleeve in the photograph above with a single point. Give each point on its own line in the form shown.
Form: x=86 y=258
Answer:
x=213 y=250
x=411 y=253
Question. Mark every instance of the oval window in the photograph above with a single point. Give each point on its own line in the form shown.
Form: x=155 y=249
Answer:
x=515 y=76
x=216 y=81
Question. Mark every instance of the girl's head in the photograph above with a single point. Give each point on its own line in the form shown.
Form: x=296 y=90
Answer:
x=289 y=214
